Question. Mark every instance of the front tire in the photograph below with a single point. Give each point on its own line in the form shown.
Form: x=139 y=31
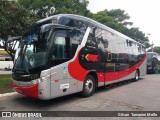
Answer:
x=136 y=78
x=88 y=86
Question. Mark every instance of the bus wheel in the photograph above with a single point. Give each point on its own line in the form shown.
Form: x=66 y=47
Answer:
x=88 y=86
x=136 y=76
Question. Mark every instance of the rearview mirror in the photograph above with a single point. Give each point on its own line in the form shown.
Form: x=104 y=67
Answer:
x=13 y=42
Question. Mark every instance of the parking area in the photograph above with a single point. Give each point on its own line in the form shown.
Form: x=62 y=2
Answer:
x=142 y=95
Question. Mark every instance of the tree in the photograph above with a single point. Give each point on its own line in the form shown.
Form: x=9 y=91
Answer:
x=108 y=21
x=155 y=49
x=41 y=7
x=18 y=15
x=37 y=7
x=119 y=15
x=15 y=20
x=118 y=20
x=138 y=35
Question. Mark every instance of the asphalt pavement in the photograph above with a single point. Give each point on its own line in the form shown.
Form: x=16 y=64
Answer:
x=142 y=95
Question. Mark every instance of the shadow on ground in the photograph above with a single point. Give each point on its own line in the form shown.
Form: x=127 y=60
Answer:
x=42 y=104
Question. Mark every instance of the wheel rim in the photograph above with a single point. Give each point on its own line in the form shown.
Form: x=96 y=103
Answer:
x=89 y=86
x=137 y=76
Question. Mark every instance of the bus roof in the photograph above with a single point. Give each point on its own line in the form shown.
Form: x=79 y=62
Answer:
x=90 y=21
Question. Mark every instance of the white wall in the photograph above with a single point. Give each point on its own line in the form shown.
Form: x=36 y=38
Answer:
x=6 y=64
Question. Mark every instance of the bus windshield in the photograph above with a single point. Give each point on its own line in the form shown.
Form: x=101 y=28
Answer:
x=33 y=51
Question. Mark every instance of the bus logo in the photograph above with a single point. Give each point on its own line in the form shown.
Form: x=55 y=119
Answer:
x=6 y=114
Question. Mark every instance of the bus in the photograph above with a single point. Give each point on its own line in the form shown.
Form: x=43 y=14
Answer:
x=153 y=62
x=66 y=53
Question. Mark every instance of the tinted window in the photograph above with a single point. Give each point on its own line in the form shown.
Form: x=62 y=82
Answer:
x=73 y=23
x=91 y=42
x=102 y=40
x=65 y=45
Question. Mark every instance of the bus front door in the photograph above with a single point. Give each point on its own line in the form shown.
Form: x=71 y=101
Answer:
x=61 y=81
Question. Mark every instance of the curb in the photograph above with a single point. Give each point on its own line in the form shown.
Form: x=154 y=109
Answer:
x=8 y=94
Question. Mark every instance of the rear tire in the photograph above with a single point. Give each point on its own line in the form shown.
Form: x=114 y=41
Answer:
x=88 y=86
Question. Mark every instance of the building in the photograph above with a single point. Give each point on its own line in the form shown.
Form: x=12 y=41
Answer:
x=5 y=60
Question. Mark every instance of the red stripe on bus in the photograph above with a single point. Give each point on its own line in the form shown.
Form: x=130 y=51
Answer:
x=75 y=69
x=109 y=76
x=31 y=91
x=79 y=73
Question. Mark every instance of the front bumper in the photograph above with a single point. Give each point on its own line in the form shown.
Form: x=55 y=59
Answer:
x=31 y=91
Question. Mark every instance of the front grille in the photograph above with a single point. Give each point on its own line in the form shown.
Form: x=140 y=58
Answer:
x=25 y=78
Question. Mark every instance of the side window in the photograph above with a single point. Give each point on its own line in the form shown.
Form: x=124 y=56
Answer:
x=76 y=37
x=91 y=42
x=106 y=42
x=65 y=45
x=143 y=50
x=135 y=49
x=60 y=48
x=122 y=56
x=66 y=21
x=130 y=46
x=101 y=38
x=139 y=49
x=73 y=23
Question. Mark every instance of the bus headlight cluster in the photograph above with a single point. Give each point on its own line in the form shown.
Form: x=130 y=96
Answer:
x=39 y=80
x=34 y=81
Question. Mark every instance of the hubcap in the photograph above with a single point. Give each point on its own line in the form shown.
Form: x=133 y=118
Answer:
x=89 y=86
x=137 y=76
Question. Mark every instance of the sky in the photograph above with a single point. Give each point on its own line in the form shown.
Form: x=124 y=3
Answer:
x=144 y=14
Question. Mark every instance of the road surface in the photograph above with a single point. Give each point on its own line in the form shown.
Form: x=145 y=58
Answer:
x=143 y=95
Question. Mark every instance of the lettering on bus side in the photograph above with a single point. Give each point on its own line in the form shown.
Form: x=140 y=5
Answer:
x=110 y=64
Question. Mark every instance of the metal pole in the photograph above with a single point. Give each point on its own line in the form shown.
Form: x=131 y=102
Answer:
x=152 y=46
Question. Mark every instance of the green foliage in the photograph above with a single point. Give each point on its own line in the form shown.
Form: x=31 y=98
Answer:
x=41 y=7
x=108 y=21
x=138 y=35
x=18 y=15
x=117 y=14
x=14 y=19
x=72 y=6
x=155 y=49
x=116 y=19
x=5 y=84
x=37 y=7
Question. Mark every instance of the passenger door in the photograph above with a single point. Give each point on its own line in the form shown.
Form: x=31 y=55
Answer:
x=61 y=82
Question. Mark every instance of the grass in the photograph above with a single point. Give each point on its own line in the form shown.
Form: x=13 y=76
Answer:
x=5 y=84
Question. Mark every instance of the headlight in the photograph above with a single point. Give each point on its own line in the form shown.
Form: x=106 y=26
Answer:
x=34 y=81
x=39 y=80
